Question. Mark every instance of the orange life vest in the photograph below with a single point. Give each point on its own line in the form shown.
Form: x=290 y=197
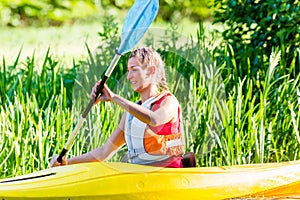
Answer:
x=147 y=144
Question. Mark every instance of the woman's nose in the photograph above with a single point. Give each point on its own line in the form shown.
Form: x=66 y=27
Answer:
x=128 y=75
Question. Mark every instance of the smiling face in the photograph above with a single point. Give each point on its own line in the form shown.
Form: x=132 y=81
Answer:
x=140 y=76
x=146 y=68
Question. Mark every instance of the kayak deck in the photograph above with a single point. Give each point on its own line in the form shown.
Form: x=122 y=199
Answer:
x=127 y=181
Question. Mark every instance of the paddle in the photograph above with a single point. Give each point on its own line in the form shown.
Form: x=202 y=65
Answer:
x=136 y=23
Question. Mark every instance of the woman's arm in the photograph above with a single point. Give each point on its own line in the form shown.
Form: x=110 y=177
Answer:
x=103 y=153
x=113 y=143
x=167 y=112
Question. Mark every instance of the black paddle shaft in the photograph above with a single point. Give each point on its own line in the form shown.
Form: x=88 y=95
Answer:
x=98 y=93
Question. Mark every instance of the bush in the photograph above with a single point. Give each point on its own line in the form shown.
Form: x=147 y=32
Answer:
x=43 y=12
x=177 y=9
x=253 y=28
x=55 y=12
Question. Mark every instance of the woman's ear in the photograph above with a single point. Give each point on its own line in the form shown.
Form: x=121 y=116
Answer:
x=151 y=70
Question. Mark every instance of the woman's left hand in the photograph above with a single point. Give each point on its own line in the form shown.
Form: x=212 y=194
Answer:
x=106 y=94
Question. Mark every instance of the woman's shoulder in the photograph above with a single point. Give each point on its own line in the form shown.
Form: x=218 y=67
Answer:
x=168 y=97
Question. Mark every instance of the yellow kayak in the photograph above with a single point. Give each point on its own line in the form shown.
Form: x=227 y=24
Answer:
x=127 y=181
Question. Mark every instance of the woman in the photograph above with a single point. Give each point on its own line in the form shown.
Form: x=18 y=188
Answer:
x=150 y=128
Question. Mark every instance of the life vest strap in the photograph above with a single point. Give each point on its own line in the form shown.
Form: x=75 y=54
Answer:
x=173 y=143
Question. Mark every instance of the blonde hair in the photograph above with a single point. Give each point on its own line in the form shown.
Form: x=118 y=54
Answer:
x=149 y=57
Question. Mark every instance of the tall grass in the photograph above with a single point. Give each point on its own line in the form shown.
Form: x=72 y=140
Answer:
x=227 y=120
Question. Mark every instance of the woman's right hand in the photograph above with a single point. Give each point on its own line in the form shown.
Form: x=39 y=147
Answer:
x=55 y=163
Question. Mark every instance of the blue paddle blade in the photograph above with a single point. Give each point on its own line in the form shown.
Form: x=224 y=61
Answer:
x=137 y=21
